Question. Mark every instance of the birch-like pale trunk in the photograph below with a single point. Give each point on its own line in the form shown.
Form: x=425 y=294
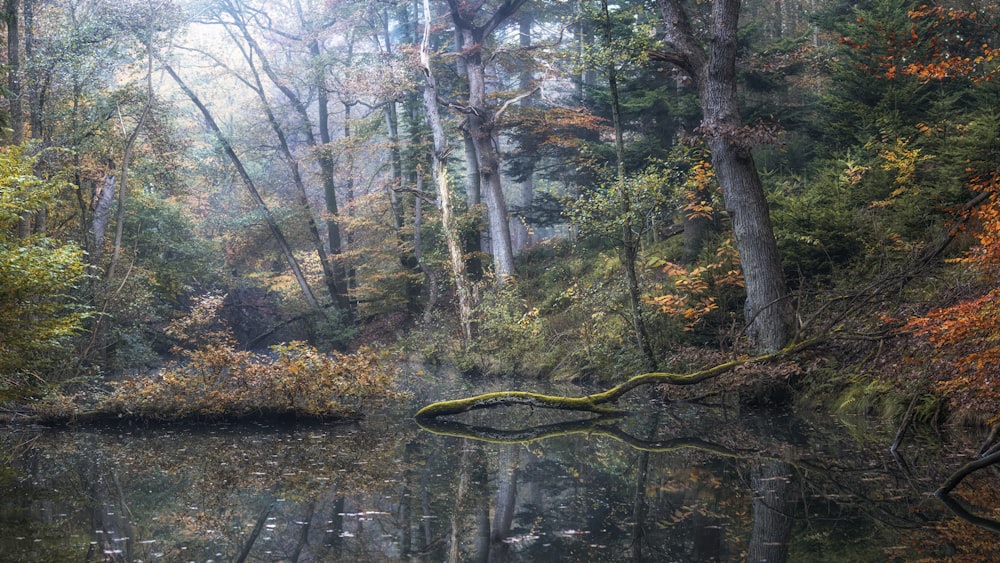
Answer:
x=441 y=150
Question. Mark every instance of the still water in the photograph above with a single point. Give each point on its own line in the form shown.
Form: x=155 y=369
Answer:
x=673 y=482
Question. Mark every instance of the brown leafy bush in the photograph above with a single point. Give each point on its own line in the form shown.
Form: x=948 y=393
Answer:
x=217 y=380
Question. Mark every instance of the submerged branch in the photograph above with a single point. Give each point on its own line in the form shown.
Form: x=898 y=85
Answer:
x=594 y=403
x=591 y=426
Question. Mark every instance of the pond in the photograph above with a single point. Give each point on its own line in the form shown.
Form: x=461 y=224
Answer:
x=672 y=482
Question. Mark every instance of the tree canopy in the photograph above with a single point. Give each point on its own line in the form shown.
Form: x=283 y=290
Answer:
x=585 y=190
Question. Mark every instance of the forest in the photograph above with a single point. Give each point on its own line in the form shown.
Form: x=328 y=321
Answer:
x=218 y=217
x=228 y=208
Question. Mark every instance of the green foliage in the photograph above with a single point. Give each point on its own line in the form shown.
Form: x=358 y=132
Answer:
x=598 y=212
x=509 y=336
x=37 y=277
x=217 y=380
x=580 y=301
x=162 y=232
x=817 y=224
x=862 y=106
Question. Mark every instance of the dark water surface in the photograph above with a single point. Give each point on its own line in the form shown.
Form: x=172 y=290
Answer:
x=675 y=482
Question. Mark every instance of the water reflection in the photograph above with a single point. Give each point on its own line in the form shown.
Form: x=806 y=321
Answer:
x=671 y=483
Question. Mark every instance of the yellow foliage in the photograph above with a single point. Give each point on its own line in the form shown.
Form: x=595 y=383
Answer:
x=690 y=297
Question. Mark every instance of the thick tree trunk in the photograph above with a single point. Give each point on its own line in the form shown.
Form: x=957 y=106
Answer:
x=482 y=123
x=768 y=308
x=481 y=129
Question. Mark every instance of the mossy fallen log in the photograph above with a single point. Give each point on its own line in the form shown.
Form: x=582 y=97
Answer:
x=596 y=403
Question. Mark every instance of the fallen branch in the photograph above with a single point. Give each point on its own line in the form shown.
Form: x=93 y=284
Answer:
x=595 y=403
x=965 y=470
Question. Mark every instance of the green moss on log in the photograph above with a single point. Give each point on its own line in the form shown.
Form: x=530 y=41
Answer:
x=594 y=403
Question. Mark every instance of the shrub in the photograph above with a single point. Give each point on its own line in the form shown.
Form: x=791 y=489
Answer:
x=217 y=380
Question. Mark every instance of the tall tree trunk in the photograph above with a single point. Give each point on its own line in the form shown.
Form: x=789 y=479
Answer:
x=327 y=171
x=520 y=235
x=265 y=211
x=348 y=166
x=481 y=129
x=768 y=308
x=474 y=241
x=409 y=254
x=482 y=124
x=319 y=147
x=102 y=213
x=302 y=198
x=33 y=87
x=14 y=91
x=506 y=501
x=126 y=157
x=441 y=181
x=11 y=8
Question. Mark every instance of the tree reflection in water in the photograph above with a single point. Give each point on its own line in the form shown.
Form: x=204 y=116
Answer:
x=678 y=482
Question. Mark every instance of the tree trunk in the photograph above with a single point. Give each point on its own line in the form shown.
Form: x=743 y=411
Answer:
x=481 y=129
x=348 y=154
x=630 y=241
x=506 y=501
x=302 y=198
x=16 y=110
x=768 y=308
x=595 y=402
x=330 y=189
x=126 y=157
x=520 y=235
x=14 y=91
x=474 y=241
x=272 y=223
x=441 y=181
x=482 y=124
x=102 y=213
x=33 y=86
